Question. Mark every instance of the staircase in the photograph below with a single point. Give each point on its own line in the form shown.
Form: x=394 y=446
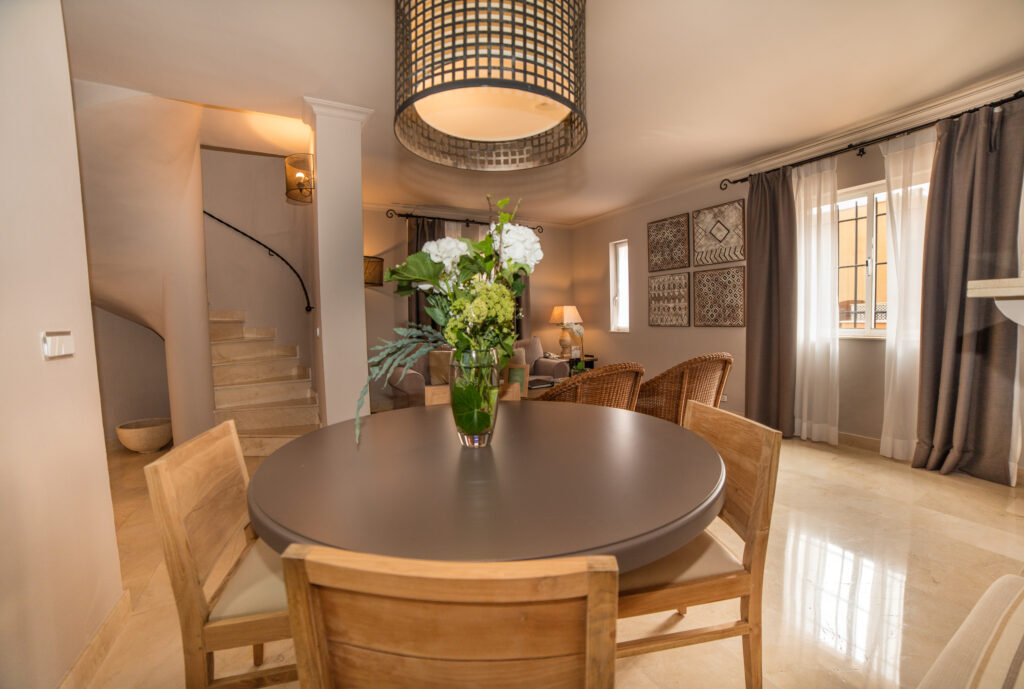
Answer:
x=260 y=385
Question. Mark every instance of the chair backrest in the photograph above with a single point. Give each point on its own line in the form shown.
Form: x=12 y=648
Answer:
x=701 y=379
x=750 y=452
x=198 y=492
x=368 y=621
x=616 y=385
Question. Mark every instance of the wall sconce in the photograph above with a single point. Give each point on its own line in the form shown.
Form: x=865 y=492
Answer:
x=373 y=271
x=300 y=179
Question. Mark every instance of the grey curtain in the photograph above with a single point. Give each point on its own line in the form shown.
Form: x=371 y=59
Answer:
x=771 y=300
x=968 y=348
x=421 y=230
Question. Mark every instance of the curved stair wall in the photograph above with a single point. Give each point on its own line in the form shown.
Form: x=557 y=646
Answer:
x=142 y=191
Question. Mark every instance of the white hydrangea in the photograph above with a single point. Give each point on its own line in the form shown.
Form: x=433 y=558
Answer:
x=446 y=250
x=518 y=245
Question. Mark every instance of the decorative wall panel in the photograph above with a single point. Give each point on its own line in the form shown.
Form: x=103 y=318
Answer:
x=719 y=234
x=719 y=297
x=668 y=300
x=668 y=243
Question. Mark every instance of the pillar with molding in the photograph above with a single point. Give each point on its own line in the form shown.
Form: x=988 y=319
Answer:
x=338 y=260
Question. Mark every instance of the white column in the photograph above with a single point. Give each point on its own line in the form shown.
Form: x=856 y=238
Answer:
x=338 y=261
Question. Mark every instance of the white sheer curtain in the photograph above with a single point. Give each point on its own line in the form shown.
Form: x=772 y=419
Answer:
x=908 y=167
x=816 y=405
x=1017 y=427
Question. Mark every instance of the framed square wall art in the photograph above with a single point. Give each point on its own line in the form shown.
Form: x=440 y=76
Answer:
x=719 y=234
x=719 y=297
x=668 y=243
x=668 y=300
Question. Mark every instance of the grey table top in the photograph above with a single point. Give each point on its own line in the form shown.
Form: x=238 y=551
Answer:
x=558 y=479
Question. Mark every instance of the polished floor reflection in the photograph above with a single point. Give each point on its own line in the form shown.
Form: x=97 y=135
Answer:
x=871 y=567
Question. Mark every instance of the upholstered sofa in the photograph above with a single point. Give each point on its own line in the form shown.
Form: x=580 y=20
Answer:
x=540 y=367
x=432 y=369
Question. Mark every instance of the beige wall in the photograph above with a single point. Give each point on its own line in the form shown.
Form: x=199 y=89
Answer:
x=551 y=285
x=132 y=373
x=59 y=571
x=861 y=386
x=657 y=348
x=247 y=190
x=386 y=238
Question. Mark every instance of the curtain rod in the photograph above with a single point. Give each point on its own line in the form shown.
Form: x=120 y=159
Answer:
x=724 y=184
x=392 y=213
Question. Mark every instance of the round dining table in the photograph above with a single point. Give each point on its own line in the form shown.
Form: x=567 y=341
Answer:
x=558 y=479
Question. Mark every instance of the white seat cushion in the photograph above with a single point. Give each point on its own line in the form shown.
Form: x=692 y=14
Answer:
x=702 y=557
x=256 y=587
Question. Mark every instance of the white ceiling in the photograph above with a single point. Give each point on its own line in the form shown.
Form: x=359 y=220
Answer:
x=677 y=89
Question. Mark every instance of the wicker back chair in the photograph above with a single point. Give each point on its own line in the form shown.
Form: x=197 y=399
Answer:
x=701 y=378
x=616 y=385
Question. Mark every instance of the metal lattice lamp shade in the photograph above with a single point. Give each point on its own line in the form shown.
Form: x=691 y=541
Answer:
x=490 y=84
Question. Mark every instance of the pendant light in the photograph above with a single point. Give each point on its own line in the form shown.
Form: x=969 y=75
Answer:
x=490 y=84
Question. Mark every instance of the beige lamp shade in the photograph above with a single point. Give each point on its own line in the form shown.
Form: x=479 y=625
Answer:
x=300 y=179
x=565 y=314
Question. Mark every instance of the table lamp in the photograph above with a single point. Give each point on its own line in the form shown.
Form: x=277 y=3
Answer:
x=565 y=316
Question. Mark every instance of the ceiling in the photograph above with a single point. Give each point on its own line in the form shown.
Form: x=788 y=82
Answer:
x=676 y=89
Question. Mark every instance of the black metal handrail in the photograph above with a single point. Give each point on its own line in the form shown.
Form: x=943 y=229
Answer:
x=273 y=253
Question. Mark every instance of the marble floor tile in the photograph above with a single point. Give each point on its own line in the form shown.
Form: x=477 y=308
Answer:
x=871 y=567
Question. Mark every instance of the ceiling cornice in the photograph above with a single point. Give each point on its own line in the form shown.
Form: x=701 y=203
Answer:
x=936 y=109
x=317 y=107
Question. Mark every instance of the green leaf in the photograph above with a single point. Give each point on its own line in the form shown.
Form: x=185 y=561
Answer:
x=467 y=409
x=417 y=268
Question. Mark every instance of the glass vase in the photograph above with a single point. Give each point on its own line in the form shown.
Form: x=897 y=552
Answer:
x=474 y=388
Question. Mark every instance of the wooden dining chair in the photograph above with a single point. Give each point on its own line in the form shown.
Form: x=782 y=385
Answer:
x=705 y=570
x=228 y=586
x=372 y=621
x=616 y=385
x=701 y=379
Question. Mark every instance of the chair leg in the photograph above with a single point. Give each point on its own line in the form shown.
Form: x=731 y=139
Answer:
x=198 y=669
x=257 y=654
x=750 y=610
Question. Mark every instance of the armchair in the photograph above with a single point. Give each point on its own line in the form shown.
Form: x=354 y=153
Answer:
x=538 y=366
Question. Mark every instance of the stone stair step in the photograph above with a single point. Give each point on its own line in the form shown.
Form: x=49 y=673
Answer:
x=271 y=417
x=222 y=315
x=268 y=392
x=250 y=350
x=260 y=371
x=263 y=442
x=226 y=330
x=307 y=401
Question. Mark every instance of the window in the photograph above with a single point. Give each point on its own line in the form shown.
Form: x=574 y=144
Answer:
x=618 y=282
x=862 y=260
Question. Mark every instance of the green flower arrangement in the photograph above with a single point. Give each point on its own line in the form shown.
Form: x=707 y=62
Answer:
x=470 y=290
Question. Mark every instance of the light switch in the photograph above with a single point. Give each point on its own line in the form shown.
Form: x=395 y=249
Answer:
x=58 y=344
